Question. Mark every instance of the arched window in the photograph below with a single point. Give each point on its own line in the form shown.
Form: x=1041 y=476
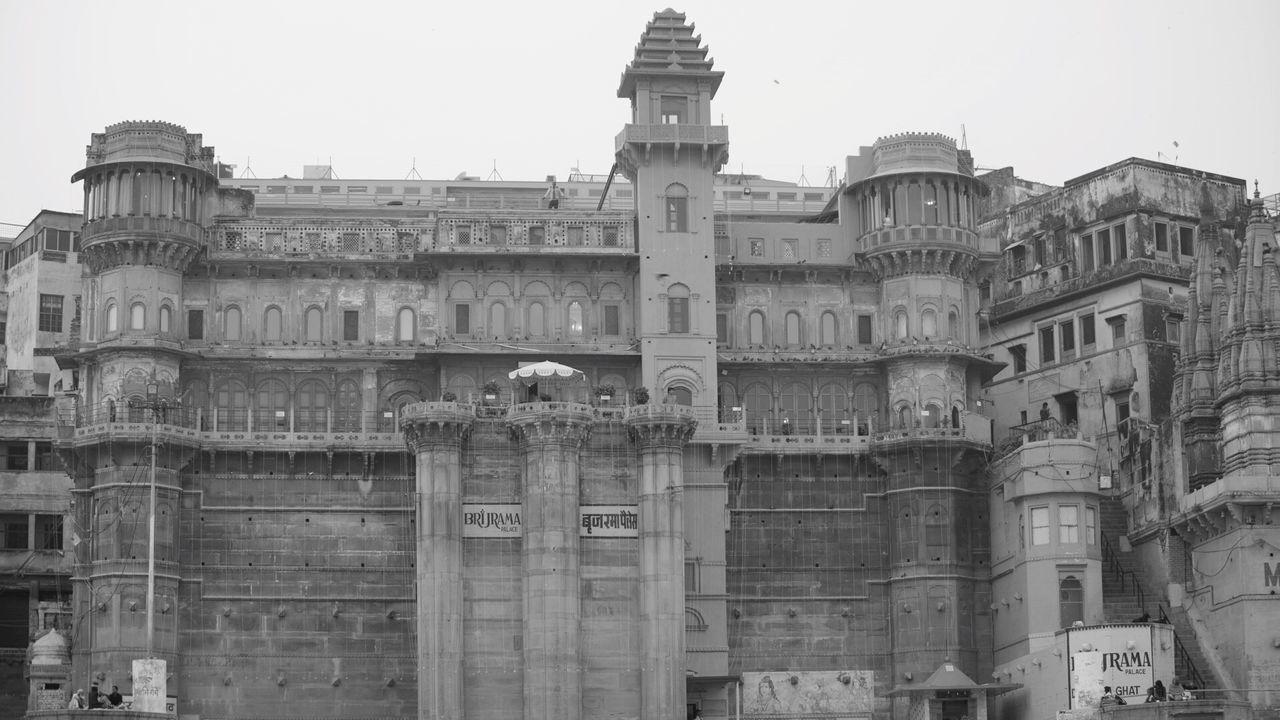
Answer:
x=930 y=204
x=676 y=205
x=933 y=415
x=755 y=328
x=904 y=417
x=498 y=320
x=867 y=406
x=405 y=325
x=679 y=395
x=231 y=406
x=113 y=318
x=832 y=407
x=139 y=194
x=936 y=534
x=678 y=309
x=900 y=328
x=313 y=407
x=272 y=325
x=929 y=323
x=793 y=329
x=137 y=316
x=575 y=319
x=537 y=320
x=1070 y=601
x=315 y=324
x=953 y=324
x=231 y=324
x=346 y=411
x=915 y=206
x=828 y=330
x=795 y=402
x=272 y=411
x=758 y=402
x=166 y=318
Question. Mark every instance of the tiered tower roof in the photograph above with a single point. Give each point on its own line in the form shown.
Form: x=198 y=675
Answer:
x=668 y=47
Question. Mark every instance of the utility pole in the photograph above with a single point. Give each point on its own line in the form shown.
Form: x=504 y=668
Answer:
x=157 y=406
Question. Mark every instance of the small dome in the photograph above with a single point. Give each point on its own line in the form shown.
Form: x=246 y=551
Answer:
x=50 y=649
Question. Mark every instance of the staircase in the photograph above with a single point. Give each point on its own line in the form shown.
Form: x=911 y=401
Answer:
x=1124 y=598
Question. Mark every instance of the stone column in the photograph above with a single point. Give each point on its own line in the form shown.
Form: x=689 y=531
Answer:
x=551 y=435
x=661 y=432
x=435 y=431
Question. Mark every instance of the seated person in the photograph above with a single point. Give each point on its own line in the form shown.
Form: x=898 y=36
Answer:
x=115 y=700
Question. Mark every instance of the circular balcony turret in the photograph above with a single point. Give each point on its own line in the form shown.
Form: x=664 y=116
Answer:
x=145 y=185
x=916 y=210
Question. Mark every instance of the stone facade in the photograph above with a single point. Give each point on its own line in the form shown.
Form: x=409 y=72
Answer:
x=864 y=457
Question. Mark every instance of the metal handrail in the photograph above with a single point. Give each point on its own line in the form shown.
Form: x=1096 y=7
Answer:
x=1182 y=654
x=1113 y=563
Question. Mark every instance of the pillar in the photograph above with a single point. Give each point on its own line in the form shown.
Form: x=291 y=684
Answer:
x=660 y=432
x=551 y=436
x=435 y=432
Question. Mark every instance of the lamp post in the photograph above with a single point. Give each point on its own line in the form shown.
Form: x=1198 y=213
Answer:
x=155 y=405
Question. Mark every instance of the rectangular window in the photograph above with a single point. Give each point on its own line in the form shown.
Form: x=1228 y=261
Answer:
x=1088 y=333
x=790 y=248
x=722 y=328
x=1173 y=329
x=44 y=457
x=1086 y=252
x=1104 y=248
x=497 y=234
x=1162 y=237
x=1122 y=415
x=864 y=330
x=1090 y=526
x=537 y=235
x=462 y=319
x=195 y=324
x=13 y=456
x=1040 y=526
x=13 y=530
x=48 y=532
x=50 y=313
x=678 y=315
x=1067 y=331
x=677 y=213
x=674 y=109
x=350 y=325
x=612 y=320
x=610 y=236
x=575 y=236
x=1019 y=355
x=462 y=234
x=691 y=576
x=824 y=248
x=1117 y=323
x=1068 y=524
x=1046 y=345
x=757 y=247
x=1186 y=240
x=1122 y=242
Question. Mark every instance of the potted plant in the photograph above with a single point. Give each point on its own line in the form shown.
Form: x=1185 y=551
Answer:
x=641 y=395
x=604 y=393
x=449 y=396
x=490 y=390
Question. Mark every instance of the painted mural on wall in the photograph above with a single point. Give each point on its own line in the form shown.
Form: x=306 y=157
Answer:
x=833 y=692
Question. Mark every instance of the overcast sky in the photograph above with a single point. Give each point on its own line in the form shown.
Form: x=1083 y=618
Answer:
x=1055 y=89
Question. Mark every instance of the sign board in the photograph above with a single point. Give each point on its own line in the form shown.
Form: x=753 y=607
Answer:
x=503 y=520
x=170 y=704
x=150 y=681
x=55 y=699
x=1118 y=656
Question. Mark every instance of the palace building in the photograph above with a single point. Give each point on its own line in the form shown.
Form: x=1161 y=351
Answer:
x=924 y=443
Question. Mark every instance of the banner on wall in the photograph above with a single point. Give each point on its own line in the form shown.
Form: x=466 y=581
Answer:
x=1118 y=656
x=502 y=520
x=832 y=692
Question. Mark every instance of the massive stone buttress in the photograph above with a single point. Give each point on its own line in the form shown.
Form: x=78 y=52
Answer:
x=435 y=432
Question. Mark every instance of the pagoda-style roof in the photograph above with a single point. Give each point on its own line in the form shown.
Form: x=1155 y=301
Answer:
x=668 y=47
x=950 y=677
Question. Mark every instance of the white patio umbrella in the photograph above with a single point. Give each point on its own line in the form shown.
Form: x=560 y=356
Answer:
x=552 y=378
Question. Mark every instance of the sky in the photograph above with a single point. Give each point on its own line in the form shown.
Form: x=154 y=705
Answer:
x=1053 y=88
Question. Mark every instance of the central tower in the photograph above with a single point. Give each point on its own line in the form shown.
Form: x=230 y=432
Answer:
x=671 y=152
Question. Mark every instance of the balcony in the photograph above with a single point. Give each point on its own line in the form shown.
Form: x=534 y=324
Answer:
x=545 y=232
x=907 y=237
x=140 y=227
x=357 y=241
x=1090 y=282
x=785 y=436
x=677 y=133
